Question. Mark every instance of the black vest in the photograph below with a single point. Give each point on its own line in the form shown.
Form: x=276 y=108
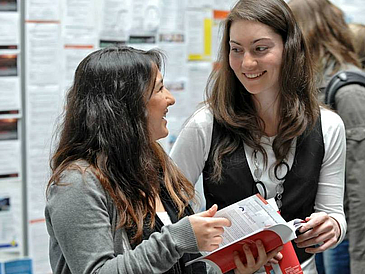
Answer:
x=300 y=186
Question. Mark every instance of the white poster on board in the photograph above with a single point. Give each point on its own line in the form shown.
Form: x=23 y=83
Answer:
x=9 y=28
x=10 y=81
x=80 y=22
x=10 y=216
x=172 y=18
x=42 y=10
x=116 y=21
x=10 y=149
x=43 y=48
x=9 y=94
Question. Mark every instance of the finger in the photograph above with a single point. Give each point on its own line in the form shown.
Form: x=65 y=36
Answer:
x=240 y=267
x=218 y=230
x=313 y=221
x=212 y=247
x=321 y=247
x=250 y=260
x=220 y=221
x=317 y=240
x=275 y=253
x=217 y=240
x=213 y=209
x=210 y=212
x=277 y=257
x=275 y=260
x=262 y=257
x=313 y=233
x=306 y=236
x=318 y=248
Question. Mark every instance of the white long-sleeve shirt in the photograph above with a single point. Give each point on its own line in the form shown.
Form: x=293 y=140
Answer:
x=192 y=146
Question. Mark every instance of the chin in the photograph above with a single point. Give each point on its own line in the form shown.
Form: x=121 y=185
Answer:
x=161 y=136
x=164 y=135
x=252 y=90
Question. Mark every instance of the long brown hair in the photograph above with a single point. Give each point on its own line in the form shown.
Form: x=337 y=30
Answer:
x=326 y=32
x=232 y=104
x=105 y=124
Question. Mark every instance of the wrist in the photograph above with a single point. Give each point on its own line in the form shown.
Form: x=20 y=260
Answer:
x=337 y=228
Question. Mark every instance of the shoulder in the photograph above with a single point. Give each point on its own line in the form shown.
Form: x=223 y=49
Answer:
x=203 y=117
x=79 y=182
x=351 y=89
x=331 y=122
x=201 y=122
x=354 y=86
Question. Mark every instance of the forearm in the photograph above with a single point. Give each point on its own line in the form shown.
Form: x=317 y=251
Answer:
x=330 y=193
x=80 y=224
x=156 y=255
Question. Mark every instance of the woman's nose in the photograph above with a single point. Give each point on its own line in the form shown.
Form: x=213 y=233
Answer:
x=170 y=98
x=248 y=61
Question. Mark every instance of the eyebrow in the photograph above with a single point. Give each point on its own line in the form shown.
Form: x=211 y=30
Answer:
x=253 y=42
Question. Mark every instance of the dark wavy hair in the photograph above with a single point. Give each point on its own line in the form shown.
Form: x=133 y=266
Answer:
x=326 y=32
x=105 y=124
x=232 y=104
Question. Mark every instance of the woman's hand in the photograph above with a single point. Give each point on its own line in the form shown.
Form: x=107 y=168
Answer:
x=275 y=260
x=319 y=229
x=253 y=265
x=208 y=230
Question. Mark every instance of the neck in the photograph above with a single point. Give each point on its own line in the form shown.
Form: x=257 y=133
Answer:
x=159 y=205
x=268 y=110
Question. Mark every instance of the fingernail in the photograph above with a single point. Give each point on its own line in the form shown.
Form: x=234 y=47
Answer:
x=259 y=242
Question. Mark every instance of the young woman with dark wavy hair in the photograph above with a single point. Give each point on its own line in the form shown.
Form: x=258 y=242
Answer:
x=116 y=203
x=262 y=129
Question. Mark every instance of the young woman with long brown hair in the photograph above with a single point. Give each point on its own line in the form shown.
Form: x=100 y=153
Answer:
x=262 y=129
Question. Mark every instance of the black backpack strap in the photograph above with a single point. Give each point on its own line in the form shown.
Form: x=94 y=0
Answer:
x=340 y=79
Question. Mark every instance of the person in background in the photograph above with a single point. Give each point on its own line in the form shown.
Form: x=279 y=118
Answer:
x=330 y=43
x=116 y=203
x=262 y=129
x=358 y=35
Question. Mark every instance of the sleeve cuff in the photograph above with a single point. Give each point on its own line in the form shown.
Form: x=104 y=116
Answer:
x=184 y=236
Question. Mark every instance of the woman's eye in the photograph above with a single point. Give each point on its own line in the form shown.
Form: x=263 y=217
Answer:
x=235 y=50
x=261 y=49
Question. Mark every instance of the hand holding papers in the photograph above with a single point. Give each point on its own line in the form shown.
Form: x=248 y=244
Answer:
x=252 y=219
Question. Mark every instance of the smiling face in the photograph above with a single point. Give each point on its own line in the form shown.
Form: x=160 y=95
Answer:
x=157 y=106
x=256 y=56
